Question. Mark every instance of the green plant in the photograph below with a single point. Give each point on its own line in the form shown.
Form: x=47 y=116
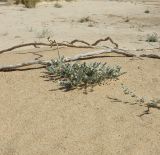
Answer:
x=30 y=29
x=90 y=25
x=57 y=5
x=69 y=0
x=141 y=100
x=147 y=11
x=132 y=94
x=126 y=20
x=73 y=75
x=152 y=37
x=28 y=3
x=43 y=34
x=85 y=19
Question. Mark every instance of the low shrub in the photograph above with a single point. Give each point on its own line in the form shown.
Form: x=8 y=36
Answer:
x=73 y=75
x=58 y=5
x=28 y=3
x=152 y=37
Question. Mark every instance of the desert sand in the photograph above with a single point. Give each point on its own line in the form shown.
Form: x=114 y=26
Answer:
x=36 y=118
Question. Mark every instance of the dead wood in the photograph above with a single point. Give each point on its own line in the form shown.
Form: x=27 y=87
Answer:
x=23 y=64
x=74 y=58
x=106 y=39
x=64 y=43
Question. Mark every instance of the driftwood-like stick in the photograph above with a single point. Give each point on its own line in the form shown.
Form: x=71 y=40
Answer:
x=43 y=44
x=76 y=57
x=23 y=64
x=79 y=41
x=150 y=56
x=23 y=45
x=106 y=39
x=108 y=50
x=64 y=43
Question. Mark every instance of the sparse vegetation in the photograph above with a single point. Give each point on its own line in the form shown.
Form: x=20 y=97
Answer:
x=147 y=11
x=32 y=3
x=28 y=3
x=57 y=5
x=30 y=29
x=126 y=20
x=141 y=100
x=5 y=34
x=43 y=34
x=90 y=25
x=73 y=75
x=85 y=19
x=152 y=37
x=69 y=0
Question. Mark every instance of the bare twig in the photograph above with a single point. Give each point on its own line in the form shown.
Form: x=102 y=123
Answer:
x=53 y=43
x=72 y=44
x=23 y=64
x=106 y=39
x=24 y=45
x=80 y=41
x=58 y=50
x=43 y=44
x=150 y=56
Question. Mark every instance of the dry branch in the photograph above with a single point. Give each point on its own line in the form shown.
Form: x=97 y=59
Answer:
x=106 y=39
x=77 y=57
x=42 y=44
x=80 y=41
x=24 y=45
x=150 y=56
x=64 y=43
x=23 y=64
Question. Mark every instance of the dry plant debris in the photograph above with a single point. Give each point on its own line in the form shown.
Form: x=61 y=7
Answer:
x=53 y=43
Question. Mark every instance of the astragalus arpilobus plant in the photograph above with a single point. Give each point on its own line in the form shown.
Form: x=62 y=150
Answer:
x=73 y=75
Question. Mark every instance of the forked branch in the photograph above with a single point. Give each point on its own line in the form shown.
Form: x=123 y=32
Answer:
x=64 y=43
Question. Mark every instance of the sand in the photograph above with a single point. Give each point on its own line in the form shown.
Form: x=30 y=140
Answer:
x=38 y=118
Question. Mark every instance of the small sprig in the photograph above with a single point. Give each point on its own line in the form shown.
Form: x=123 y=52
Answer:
x=149 y=104
x=132 y=94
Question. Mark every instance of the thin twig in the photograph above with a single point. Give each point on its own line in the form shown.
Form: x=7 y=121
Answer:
x=64 y=43
x=57 y=50
x=106 y=39
x=23 y=45
x=23 y=64
x=80 y=41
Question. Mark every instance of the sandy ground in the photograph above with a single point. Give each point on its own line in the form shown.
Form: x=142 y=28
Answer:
x=38 y=118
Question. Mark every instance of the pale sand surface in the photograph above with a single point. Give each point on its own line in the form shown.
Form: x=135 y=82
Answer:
x=36 y=118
